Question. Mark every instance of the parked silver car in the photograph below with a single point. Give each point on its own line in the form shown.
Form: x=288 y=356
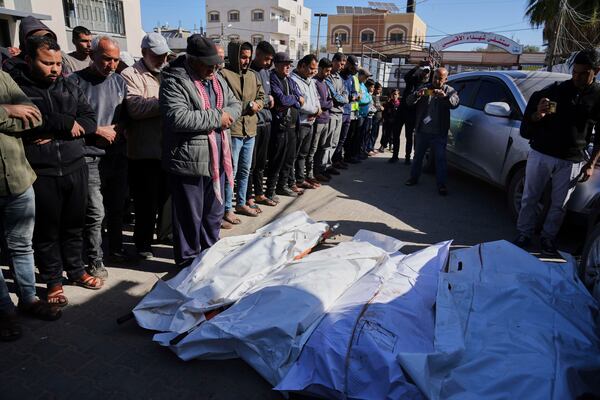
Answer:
x=484 y=138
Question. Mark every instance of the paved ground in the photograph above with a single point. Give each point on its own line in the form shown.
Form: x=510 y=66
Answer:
x=87 y=355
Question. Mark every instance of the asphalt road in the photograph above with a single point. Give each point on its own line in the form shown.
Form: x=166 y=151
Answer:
x=87 y=355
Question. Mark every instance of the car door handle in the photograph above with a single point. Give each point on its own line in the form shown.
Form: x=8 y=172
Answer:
x=468 y=122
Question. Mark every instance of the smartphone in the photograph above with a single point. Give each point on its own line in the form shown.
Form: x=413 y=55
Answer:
x=552 y=107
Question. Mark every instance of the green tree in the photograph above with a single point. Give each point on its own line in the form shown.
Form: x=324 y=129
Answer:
x=569 y=25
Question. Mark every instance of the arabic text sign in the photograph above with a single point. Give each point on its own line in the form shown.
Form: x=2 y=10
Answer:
x=503 y=42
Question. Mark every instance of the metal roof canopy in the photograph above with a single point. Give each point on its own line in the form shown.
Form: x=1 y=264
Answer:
x=22 y=14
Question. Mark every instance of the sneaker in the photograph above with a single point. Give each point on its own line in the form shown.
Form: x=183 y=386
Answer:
x=286 y=191
x=549 y=248
x=145 y=255
x=332 y=171
x=522 y=241
x=97 y=269
x=411 y=182
x=322 y=178
x=393 y=160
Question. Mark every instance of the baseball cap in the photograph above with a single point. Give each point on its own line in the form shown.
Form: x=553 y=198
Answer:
x=352 y=60
x=282 y=57
x=204 y=49
x=364 y=71
x=155 y=42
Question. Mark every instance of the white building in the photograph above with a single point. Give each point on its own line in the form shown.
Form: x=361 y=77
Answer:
x=284 y=23
x=120 y=19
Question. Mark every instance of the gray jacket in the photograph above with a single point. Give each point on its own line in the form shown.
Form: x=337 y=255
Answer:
x=312 y=105
x=441 y=107
x=342 y=98
x=186 y=124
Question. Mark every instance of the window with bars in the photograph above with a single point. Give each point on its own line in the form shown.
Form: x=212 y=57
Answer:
x=256 y=39
x=396 y=37
x=96 y=15
x=234 y=16
x=367 y=36
x=258 y=15
x=214 y=16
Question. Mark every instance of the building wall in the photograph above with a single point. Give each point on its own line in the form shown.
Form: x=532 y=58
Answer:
x=286 y=24
x=54 y=8
x=381 y=25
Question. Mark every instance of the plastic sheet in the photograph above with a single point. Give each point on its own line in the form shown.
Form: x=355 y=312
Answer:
x=225 y=272
x=352 y=353
x=509 y=326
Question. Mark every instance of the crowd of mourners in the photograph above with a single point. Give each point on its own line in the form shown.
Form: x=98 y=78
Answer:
x=189 y=142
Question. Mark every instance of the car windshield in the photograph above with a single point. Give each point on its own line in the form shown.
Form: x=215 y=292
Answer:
x=534 y=82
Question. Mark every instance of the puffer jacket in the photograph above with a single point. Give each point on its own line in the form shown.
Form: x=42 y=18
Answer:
x=186 y=124
x=61 y=104
x=250 y=91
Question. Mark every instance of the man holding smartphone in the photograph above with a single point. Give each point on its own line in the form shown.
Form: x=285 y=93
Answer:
x=559 y=121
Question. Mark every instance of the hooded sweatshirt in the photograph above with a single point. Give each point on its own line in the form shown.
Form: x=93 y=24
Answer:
x=27 y=26
x=311 y=106
x=247 y=88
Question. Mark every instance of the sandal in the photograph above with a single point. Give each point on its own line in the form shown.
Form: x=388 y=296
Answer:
x=247 y=211
x=88 y=281
x=9 y=327
x=255 y=207
x=231 y=218
x=56 y=296
x=266 y=202
x=40 y=310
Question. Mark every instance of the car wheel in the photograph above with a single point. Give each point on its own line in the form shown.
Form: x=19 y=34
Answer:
x=589 y=268
x=515 y=195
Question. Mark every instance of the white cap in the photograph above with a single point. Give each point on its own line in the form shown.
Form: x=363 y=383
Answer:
x=155 y=42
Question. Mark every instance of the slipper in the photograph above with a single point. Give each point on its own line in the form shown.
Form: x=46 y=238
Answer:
x=231 y=218
x=88 y=281
x=255 y=207
x=40 y=310
x=226 y=225
x=267 y=202
x=9 y=327
x=56 y=296
x=245 y=211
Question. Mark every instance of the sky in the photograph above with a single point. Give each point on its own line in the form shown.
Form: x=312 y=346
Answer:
x=443 y=17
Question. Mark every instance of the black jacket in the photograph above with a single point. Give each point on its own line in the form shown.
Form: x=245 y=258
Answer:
x=566 y=134
x=61 y=104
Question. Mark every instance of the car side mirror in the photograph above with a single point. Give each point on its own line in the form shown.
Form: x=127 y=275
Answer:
x=498 y=109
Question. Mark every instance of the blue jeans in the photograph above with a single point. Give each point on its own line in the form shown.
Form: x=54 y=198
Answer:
x=17 y=219
x=375 y=123
x=242 y=149
x=437 y=144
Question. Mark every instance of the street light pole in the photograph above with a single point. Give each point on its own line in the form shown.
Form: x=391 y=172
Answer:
x=319 y=15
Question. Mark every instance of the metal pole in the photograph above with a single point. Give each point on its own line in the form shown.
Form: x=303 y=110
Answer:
x=555 y=44
x=319 y=15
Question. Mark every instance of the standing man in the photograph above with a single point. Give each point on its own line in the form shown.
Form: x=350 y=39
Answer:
x=147 y=179
x=263 y=59
x=559 y=121
x=302 y=76
x=340 y=99
x=80 y=58
x=319 y=157
x=105 y=153
x=433 y=104
x=350 y=116
x=197 y=108
x=247 y=89
x=17 y=209
x=287 y=102
x=55 y=151
x=414 y=79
